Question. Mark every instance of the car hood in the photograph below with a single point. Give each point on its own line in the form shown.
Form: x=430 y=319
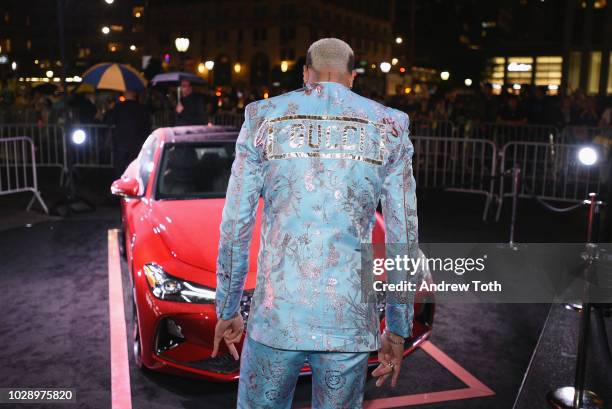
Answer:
x=190 y=230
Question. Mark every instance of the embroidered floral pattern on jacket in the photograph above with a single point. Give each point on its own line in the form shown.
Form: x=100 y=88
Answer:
x=321 y=157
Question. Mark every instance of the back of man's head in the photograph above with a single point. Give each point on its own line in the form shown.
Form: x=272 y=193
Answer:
x=330 y=55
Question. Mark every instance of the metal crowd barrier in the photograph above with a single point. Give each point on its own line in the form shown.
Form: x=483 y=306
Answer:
x=549 y=172
x=460 y=165
x=97 y=149
x=228 y=119
x=18 y=169
x=501 y=133
x=444 y=129
x=48 y=141
x=586 y=134
x=161 y=119
x=56 y=149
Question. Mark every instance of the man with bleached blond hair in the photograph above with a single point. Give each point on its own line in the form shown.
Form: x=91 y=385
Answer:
x=322 y=157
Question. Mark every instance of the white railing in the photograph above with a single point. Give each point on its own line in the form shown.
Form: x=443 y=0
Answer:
x=440 y=128
x=501 y=133
x=549 y=172
x=48 y=141
x=18 y=169
x=96 y=151
x=460 y=165
x=228 y=119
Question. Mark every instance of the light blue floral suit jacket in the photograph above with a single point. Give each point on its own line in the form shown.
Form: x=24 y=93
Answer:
x=322 y=157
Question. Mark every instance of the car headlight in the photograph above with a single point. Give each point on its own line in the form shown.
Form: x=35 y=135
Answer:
x=169 y=288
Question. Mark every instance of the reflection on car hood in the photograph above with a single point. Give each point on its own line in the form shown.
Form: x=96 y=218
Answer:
x=190 y=230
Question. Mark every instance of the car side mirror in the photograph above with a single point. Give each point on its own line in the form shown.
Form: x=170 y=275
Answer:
x=125 y=187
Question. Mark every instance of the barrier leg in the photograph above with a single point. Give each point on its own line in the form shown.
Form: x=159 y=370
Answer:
x=516 y=175
x=37 y=196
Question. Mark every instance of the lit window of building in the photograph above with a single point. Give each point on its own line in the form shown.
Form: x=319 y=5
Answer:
x=548 y=70
x=519 y=70
x=609 y=90
x=593 y=72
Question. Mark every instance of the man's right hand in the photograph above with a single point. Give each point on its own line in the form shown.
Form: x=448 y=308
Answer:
x=179 y=108
x=390 y=356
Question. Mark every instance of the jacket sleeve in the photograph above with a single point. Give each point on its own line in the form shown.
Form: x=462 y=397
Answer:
x=237 y=222
x=399 y=207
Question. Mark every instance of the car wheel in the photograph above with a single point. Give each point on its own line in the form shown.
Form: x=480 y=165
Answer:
x=136 y=345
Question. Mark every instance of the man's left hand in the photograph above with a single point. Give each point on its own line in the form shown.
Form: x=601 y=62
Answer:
x=231 y=332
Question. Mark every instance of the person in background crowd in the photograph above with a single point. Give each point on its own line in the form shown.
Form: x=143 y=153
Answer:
x=190 y=109
x=606 y=116
x=131 y=127
x=511 y=112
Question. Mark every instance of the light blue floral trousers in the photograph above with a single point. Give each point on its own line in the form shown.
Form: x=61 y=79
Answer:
x=268 y=377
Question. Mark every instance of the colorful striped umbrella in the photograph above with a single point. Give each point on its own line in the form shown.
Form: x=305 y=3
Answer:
x=116 y=77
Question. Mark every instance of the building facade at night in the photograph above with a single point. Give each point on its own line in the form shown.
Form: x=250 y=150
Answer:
x=95 y=31
x=562 y=45
x=257 y=43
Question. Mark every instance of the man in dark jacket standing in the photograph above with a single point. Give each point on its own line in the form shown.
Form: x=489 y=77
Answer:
x=132 y=125
x=190 y=109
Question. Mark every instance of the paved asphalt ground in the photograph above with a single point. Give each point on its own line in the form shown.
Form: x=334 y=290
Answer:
x=54 y=328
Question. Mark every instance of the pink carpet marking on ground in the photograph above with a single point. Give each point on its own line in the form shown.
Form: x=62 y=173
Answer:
x=475 y=388
x=120 y=368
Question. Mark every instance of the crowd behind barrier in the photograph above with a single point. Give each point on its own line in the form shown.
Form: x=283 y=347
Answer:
x=447 y=156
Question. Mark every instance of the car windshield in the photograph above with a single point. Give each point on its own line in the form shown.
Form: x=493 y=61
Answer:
x=195 y=170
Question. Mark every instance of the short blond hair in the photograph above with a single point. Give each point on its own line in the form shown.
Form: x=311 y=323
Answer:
x=330 y=54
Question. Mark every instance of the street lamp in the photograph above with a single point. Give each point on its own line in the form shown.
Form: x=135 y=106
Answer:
x=182 y=44
x=49 y=74
x=468 y=82
x=109 y=2
x=385 y=67
x=399 y=40
x=133 y=47
x=445 y=75
x=105 y=30
x=284 y=66
x=209 y=65
x=14 y=66
x=394 y=61
x=237 y=68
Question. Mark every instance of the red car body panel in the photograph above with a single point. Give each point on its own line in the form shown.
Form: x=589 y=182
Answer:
x=182 y=236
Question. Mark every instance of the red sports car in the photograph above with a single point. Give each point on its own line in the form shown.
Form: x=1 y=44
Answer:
x=172 y=198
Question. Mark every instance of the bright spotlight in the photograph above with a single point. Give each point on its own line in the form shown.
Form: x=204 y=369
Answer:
x=385 y=66
x=109 y=1
x=587 y=156
x=78 y=136
x=468 y=82
x=399 y=40
x=444 y=75
x=209 y=65
x=105 y=30
x=49 y=74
